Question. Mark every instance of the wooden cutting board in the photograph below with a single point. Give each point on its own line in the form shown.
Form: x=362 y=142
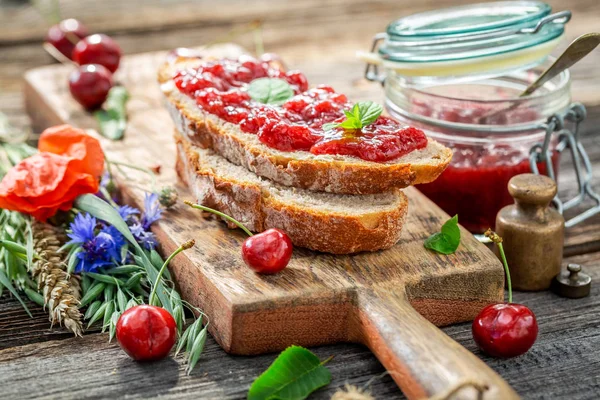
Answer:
x=388 y=300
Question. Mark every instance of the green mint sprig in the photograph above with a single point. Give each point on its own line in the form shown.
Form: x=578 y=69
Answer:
x=270 y=91
x=362 y=114
x=447 y=240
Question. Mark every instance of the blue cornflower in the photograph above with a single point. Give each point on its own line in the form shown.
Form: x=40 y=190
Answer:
x=142 y=236
x=118 y=238
x=127 y=211
x=152 y=210
x=97 y=250
x=82 y=229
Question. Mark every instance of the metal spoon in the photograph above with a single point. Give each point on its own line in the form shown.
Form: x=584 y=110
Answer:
x=578 y=49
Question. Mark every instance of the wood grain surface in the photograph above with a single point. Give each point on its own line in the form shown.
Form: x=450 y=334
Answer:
x=319 y=298
x=318 y=38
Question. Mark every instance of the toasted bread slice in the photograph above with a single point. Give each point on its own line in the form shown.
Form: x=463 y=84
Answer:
x=327 y=222
x=326 y=173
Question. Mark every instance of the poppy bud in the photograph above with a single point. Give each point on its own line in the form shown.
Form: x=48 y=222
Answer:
x=168 y=196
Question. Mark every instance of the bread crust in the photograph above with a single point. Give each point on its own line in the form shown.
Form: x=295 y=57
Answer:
x=256 y=208
x=334 y=174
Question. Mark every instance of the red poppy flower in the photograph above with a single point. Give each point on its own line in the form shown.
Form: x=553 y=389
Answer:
x=69 y=164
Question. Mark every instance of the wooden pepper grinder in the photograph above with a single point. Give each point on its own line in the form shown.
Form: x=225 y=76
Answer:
x=532 y=232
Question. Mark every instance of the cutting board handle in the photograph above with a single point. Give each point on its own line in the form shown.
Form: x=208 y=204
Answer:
x=423 y=361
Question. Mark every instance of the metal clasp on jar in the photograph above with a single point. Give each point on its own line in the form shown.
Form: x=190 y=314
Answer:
x=568 y=139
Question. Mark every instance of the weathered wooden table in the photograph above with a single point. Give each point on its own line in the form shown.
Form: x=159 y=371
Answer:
x=318 y=37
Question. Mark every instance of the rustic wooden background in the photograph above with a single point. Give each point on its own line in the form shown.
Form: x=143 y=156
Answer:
x=320 y=38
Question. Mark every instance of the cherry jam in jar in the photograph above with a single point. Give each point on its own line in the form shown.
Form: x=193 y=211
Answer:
x=490 y=129
x=457 y=73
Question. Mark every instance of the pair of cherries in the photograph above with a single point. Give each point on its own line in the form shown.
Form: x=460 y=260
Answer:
x=98 y=57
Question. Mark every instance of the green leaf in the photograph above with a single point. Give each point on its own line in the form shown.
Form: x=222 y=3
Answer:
x=34 y=296
x=109 y=292
x=108 y=279
x=270 y=91
x=112 y=120
x=134 y=279
x=92 y=309
x=73 y=259
x=362 y=114
x=121 y=300
x=446 y=241
x=91 y=294
x=182 y=340
x=195 y=330
x=98 y=314
x=294 y=375
x=123 y=270
x=197 y=349
x=86 y=283
x=368 y=112
x=29 y=244
x=7 y=284
x=110 y=308
x=112 y=329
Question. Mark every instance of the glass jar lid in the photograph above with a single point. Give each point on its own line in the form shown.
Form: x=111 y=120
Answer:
x=471 y=39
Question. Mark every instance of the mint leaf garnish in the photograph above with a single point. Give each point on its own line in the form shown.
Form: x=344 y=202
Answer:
x=447 y=240
x=362 y=114
x=295 y=374
x=270 y=91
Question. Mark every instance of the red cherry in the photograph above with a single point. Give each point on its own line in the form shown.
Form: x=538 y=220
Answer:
x=505 y=330
x=65 y=35
x=98 y=49
x=146 y=332
x=268 y=252
x=90 y=84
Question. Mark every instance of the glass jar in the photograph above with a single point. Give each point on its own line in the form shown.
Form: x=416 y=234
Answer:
x=490 y=130
x=457 y=73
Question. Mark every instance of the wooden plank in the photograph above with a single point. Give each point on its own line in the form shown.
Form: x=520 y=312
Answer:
x=563 y=364
x=311 y=35
x=28 y=21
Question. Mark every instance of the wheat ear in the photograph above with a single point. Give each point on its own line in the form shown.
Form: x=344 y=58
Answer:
x=61 y=291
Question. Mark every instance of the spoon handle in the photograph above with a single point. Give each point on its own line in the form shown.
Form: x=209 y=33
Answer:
x=575 y=52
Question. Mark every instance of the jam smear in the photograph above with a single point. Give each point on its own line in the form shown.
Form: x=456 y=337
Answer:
x=220 y=88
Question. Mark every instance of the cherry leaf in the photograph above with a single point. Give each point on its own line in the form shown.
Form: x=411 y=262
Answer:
x=294 y=375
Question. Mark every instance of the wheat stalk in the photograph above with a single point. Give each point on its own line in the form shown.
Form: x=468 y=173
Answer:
x=61 y=291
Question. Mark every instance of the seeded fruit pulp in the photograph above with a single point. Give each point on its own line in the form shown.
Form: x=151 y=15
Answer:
x=219 y=87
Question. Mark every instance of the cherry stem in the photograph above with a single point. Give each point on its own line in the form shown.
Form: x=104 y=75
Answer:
x=220 y=214
x=181 y=248
x=57 y=55
x=494 y=237
x=506 y=270
x=259 y=46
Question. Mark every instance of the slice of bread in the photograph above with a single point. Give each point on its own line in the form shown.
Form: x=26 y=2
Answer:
x=332 y=223
x=326 y=173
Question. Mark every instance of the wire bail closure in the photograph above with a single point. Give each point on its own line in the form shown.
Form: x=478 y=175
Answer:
x=568 y=140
